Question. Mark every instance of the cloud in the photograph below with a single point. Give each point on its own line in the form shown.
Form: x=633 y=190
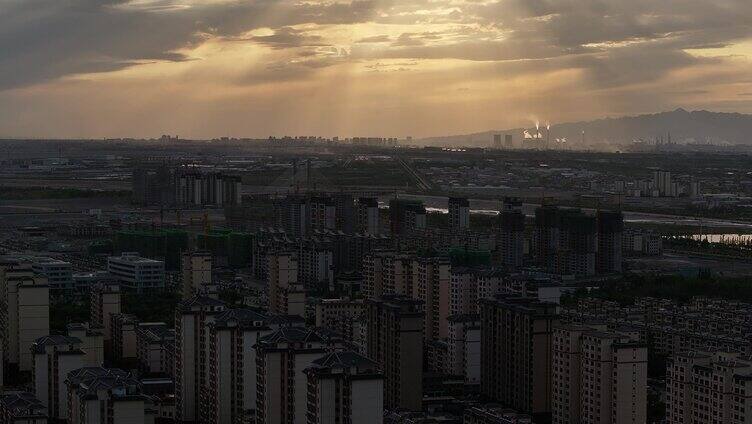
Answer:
x=375 y=39
x=48 y=39
x=577 y=55
x=287 y=37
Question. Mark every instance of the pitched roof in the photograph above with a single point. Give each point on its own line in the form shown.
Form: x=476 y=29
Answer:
x=346 y=359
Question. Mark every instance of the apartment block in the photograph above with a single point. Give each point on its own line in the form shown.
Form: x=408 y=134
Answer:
x=610 y=227
x=124 y=347
x=599 y=376
x=463 y=347
x=92 y=343
x=459 y=213
x=282 y=387
x=344 y=387
x=709 y=387
x=54 y=358
x=340 y=315
x=153 y=348
x=191 y=354
x=510 y=242
x=196 y=268
x=368 y=216
x=286 y=294
x=104 y=302
x=231 y=387
x=102 y=395
x=431 y=285
x=516 y=353
x=395 y=343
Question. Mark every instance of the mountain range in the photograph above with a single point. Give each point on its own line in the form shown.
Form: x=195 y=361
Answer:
x=678 y=126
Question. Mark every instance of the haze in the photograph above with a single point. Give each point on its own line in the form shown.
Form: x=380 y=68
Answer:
x=202 y=69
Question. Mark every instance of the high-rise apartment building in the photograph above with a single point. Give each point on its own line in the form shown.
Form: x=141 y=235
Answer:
x=344 y=387
x=599 y=376
x=102 y=395
x=340 y=315
x=511 y=238
x=104 y=301
x=54 y=357
x=406 y=216
x=315 y=264
x=708 y=387
x=463 y=290
x=565 y=241
x=459 y=213
x=322 y=213
x=395 y=343
x=193 y=187
x=610 y=232
x=463 y=347
x=231 y=386
x=663 y=185
x=516 y=353
x=196 y=269
x=153 y=340
x=431 y=285
x=124 y=342
x=368 y=217
x=92 y=342
x=286 y=294
x=24 y=310
x=282 y=358
x=191 y=354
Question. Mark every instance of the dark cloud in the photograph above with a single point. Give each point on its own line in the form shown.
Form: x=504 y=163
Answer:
x=287 y=37
x=614 y=42
x=47 y=39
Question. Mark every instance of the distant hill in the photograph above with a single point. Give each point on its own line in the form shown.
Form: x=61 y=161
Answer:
x=682 y=126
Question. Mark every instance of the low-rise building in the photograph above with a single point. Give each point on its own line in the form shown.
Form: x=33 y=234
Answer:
x=137 y=273
x=59 y=275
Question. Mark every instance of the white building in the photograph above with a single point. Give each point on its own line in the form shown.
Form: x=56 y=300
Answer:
x=59 y=275
x=136 y=272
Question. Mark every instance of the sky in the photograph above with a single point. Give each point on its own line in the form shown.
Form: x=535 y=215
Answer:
x=391 y=68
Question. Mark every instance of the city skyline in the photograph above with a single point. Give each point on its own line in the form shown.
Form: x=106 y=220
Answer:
x=203 y=69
